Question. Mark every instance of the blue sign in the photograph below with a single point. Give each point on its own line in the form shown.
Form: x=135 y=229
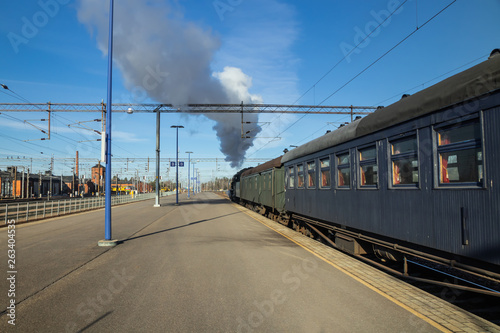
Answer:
x=181 y=164
x=172 y=164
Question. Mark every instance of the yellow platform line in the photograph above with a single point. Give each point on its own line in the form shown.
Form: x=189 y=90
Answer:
x=366 y=284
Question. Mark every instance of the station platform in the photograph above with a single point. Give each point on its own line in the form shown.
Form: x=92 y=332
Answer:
x=207 y=265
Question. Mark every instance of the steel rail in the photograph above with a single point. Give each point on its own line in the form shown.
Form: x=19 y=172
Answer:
x=417 y=279
x=402 y=249
x=481 y=290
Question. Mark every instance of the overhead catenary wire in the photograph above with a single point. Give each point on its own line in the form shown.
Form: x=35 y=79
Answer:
x=386 y=53
x=398 y=95
x=15 y=94
x=363 y=70
x=330 y=70
x=18 y=96
x=431 y=80
x=415 y=87
x=57 y=135
x=7 y=92
x=313 y=87
x=16 y=140
x=86 y=138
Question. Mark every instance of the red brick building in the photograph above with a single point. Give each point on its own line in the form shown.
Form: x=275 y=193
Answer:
x=98 y=173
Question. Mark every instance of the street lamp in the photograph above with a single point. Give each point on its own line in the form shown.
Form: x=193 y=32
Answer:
x=194 y=178
x=177 y=163
x=199 y=181
x=189 y=172
x=197 y=184
x=107 y=201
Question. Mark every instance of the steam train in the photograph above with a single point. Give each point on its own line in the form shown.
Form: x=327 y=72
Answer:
x=417 y=178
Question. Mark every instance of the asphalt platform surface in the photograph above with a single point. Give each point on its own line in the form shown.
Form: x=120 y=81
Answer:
x=206 y=265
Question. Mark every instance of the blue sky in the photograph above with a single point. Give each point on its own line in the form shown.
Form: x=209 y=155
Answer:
x=259 y=50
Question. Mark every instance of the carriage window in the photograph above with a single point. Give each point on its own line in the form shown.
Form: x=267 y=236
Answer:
x=460 y=154
x=291 y=177
x=324 y=164
x=404 y=160
x=311 y=174
x=368 y=168
x=300 y=176
x=344 y=171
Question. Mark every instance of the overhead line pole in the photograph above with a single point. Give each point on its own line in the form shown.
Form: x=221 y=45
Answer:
x=189 y=173
x=157 y=183
x=177 y=163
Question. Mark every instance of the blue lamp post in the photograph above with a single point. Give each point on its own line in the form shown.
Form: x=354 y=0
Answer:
x=107 y=200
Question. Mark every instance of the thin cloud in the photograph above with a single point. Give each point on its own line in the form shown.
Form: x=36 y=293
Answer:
x=169 y=59
x=261 y=41
x=127 y=137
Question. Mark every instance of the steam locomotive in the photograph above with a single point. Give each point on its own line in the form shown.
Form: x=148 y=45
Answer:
x=417 y=178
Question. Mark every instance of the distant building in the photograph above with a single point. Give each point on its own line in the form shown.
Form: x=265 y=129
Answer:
x=15 y=184
x=98 y=173
x=28 y=185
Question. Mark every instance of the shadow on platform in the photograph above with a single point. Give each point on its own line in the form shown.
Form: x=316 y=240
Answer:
x=194 y=201
x=95 y=321
x=174 y=228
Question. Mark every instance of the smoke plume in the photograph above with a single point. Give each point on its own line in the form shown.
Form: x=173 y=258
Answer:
x=167 y=58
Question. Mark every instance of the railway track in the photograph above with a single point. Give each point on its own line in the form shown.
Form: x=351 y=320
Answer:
x=479 y=295
x=484 y=306
x=474 y=293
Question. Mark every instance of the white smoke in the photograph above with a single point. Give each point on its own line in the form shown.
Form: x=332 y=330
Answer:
x=167 y=58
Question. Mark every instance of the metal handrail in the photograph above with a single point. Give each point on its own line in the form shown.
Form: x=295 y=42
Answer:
x=31 y=211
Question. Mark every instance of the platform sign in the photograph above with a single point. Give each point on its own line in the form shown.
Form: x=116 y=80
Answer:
x=181 y=164
x=172 y=164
